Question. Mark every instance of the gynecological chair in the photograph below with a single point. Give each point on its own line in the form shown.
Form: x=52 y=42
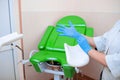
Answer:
x=51 y=56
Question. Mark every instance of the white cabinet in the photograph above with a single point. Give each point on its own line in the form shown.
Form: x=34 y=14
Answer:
x=7 y=57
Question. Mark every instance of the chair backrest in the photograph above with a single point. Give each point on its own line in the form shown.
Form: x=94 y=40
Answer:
x=51 y=39
x=76 y=20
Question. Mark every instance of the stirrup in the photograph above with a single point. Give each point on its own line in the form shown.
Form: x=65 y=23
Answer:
x=75 y=56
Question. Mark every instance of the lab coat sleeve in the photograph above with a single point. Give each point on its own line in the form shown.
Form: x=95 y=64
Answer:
x=100 y=43
x=113 y=62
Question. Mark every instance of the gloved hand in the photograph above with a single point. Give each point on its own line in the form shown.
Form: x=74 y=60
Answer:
x=67 y=31
x=71 y=32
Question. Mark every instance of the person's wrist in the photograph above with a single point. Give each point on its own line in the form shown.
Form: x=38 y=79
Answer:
x=88 y=50
x=77 y=35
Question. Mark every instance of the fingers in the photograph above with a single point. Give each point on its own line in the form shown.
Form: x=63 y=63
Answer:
x=70 y=23
x=60 y=30
x=62 y=34
x=63 y=26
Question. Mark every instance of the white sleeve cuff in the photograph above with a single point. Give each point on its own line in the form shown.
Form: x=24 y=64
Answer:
x=100 y=43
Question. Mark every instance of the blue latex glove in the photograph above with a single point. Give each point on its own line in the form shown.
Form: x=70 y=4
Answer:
x=71 y=32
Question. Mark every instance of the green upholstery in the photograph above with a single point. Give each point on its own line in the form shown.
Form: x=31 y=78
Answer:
x=51 y=46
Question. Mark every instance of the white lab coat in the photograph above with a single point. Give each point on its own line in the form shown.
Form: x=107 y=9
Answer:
x=109 y=43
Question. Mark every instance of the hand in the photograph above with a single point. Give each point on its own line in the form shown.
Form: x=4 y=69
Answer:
x=71 y=32
x=67 y=31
